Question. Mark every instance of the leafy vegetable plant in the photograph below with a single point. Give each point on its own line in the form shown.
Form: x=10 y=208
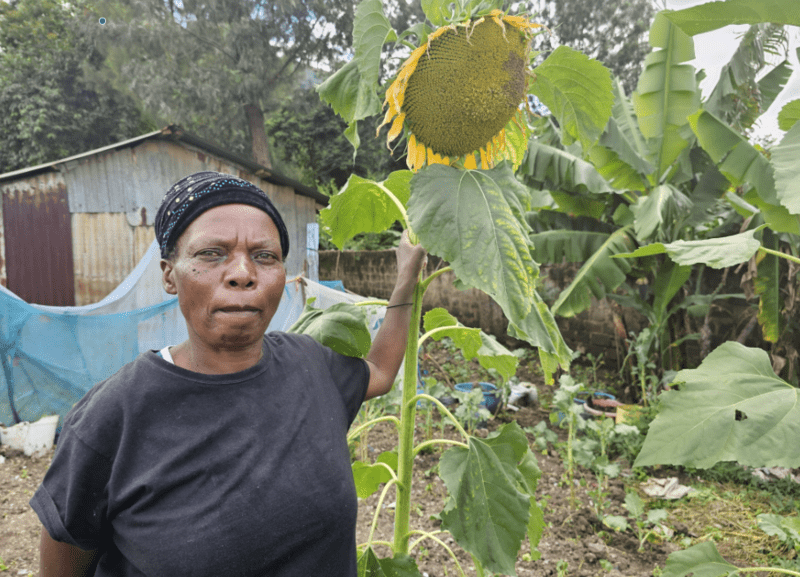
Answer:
x=644 y=522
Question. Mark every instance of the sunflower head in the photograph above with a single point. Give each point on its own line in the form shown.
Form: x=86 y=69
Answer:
x=457 y=93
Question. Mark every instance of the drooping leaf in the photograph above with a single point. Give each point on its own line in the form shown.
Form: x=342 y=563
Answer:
x=363 y=206
x=714 y=15
x=714 y=252
x=667 y=93
x=598 y=275
x=551 y=168
x=787 y=169
x=341 y=327
x=731 y=408
x=488 y=514
x=736 y=158
x=472 y=342
x=349 y=95
x=773 y=82
x=401 y=565
x=577 y=91
x=474 y=219
x=371 y=30
x=701 y=560
x=656 y=213
x=767 y=286
x=669 y=280
x=789 y=115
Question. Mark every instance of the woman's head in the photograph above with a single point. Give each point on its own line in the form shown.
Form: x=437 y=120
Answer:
x=194 y=194
x=223 y=257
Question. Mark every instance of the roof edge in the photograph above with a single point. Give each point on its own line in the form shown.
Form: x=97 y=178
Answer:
x=174 y=132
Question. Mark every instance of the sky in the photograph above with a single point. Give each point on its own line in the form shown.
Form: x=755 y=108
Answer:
x=714 y=49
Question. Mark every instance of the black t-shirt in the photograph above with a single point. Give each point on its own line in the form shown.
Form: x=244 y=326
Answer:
x=175 y=473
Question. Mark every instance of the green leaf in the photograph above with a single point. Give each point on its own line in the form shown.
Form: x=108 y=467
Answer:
x=773 y=525
x=598 y=275
x=714 y=15
x=715 y=252
x=634 y=505
x=669 y=280
x=777 y=217
x=667 y=93
x=771 y=85
x=368 y=478
x=656 y=212
x=624 y=117
x=787 y=169
x=371 y=30
x=363 y=206
x=767 y=286
x=550 y=168
x=488 y=513
x=736 y=158
x=436 y=11
x=577 y=91
x=341 y=327
x=616 y=522
x=474 y=219
x=472 y=342
x=351 y=97
x=401 y=565
x=731 y=408
x=701 y=560
x=789 y=115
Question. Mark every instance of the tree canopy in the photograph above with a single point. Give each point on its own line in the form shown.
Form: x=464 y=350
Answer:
x=54 y=104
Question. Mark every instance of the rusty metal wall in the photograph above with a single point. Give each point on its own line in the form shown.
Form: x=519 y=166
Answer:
x=133 y=181
x=38 y=240
x=106 y=249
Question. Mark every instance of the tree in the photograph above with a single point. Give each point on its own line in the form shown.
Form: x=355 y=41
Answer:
x=307 y=137
x=216 y=66
x=53 y=103
x=614 y=33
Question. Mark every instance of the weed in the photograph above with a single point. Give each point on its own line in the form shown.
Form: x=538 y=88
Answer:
x=562 y=568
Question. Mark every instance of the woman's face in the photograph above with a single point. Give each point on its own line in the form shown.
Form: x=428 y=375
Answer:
x=228 y=274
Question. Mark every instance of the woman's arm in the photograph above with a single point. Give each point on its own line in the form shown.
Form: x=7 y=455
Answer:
x=57 y=559
x=389 y=346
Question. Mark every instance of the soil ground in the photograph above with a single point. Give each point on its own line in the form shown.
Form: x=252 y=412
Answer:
x=575 y=543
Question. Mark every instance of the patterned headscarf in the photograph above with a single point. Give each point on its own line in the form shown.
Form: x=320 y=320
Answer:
x=194 y=194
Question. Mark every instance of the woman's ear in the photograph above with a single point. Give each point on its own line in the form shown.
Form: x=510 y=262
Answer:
x=167 y=277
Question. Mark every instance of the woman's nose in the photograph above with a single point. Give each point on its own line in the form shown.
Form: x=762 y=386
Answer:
x=241 y=272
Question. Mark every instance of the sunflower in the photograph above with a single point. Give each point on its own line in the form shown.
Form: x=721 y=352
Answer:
x=459 y=93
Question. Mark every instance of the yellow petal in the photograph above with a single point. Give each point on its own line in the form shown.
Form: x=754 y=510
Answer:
x=412 y=153
x=469 y=162
x=396 y=129
x=484 y=161
x=420 y=160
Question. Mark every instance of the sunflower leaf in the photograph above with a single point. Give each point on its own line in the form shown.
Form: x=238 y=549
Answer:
x=371 y=30
x=401 y=565
x=714 y=15
x=363 y=206
x=489 y=506
x=731 y=408
x=341 y=327
x=701 y=560
x=577 y=91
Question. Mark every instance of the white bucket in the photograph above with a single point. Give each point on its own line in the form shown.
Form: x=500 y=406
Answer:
x=34 y=439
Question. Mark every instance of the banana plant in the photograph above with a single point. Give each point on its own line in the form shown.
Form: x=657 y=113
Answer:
x=672 y=167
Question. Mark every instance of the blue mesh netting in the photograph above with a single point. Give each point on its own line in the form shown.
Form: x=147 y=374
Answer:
x=51 y=356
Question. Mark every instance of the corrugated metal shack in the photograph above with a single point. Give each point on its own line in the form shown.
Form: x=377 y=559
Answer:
x=74 y=228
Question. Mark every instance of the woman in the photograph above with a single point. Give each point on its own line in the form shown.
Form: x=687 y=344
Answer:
x=225 y=454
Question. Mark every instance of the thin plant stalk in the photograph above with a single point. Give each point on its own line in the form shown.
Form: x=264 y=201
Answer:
x=405 y=448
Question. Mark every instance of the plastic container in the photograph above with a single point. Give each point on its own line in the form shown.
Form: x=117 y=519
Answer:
x=490 y=400
x=34 y=439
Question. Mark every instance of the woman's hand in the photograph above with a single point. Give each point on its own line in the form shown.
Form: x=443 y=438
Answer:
x=411 y=259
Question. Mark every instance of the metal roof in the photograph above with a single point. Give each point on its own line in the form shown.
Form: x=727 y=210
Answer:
x=175 y=133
